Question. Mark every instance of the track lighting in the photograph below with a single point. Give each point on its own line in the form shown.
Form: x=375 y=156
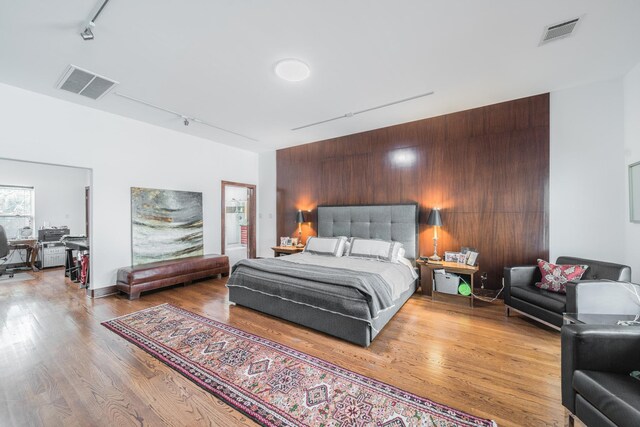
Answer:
x=86 y=33
x=186 y=120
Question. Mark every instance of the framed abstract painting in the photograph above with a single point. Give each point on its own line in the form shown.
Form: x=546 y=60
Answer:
x=165 y=224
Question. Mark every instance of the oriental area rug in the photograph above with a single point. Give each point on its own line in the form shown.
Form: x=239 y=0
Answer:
x=273 y=384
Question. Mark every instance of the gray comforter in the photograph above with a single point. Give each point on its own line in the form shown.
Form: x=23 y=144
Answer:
x=359 y=294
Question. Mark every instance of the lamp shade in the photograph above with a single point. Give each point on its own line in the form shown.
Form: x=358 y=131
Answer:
x=434 y=218
x=300 y=217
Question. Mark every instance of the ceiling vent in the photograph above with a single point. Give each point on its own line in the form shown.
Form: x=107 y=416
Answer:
x=85 y=83
x=559 y=31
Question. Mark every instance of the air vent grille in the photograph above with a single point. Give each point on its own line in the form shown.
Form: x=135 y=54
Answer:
x=559 y=31
x=85 y=83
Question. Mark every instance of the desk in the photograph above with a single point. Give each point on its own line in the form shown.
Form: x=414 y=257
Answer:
x=426 y=277
x=77 y=245
x=31 y=246
x=77 y=271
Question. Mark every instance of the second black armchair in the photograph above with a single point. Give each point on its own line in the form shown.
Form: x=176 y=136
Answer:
x=523 y=296
x=597 y=387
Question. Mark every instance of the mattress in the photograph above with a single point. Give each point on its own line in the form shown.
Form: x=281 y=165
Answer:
x=361 y=289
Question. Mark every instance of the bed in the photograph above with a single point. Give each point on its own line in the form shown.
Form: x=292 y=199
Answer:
x=341 y=296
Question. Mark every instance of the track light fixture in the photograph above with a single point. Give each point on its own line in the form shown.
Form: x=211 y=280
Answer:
x=86 y=33
x=186 y=120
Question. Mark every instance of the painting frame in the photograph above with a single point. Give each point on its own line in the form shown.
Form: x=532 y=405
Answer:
x=634 y=193
x=165 y=225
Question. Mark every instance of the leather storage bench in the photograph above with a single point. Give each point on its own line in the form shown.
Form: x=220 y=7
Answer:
x=156 y=275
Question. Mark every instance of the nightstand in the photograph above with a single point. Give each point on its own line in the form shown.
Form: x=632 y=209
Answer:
x=426 y=277
x=286 y=250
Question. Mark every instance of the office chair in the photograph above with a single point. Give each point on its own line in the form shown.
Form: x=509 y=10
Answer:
x=4 y=252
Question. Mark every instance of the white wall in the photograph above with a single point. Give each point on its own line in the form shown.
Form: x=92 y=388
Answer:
x=587 y=197
x=122 y=153
x=59 y=191
x=59 y=194
x=632 y=155
x=267 y=198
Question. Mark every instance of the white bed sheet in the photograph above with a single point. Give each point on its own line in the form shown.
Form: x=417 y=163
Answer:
x=400 y=276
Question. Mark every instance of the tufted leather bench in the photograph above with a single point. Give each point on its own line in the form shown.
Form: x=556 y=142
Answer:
x=156 y=275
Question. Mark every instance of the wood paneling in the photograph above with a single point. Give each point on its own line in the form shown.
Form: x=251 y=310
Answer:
x=486 y=168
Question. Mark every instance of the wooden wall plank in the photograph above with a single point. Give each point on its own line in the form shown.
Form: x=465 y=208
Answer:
x=486 y=168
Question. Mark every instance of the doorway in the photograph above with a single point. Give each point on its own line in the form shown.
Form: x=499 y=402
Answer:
x=238 y=216
x=44 y=209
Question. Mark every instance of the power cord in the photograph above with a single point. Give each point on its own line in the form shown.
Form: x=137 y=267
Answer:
x=633 y=290
x=483 y=279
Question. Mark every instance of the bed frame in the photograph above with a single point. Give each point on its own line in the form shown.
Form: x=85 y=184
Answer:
x=398 y=222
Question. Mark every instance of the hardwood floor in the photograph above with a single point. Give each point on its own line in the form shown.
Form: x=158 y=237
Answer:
x=59 y=366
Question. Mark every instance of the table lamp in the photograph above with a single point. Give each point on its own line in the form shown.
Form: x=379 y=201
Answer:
x=300 y=219
x=435 y=220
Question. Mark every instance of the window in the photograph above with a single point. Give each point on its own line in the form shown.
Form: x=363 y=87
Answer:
x=16 y=210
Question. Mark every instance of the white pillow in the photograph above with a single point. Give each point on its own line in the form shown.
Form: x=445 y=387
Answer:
x=401 y=252
x=403 y=260
x=333 y=246
x=381 y=250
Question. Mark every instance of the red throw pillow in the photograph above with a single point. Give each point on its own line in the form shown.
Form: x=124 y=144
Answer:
x=555 y=277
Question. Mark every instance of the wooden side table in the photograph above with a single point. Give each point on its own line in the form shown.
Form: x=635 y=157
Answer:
x=426 y=277
x=286 y=250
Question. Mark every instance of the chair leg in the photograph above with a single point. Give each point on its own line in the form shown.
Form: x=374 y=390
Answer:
x=570 y=422
x=507 y=311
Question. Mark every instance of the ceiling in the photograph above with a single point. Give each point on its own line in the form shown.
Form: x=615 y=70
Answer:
x=214 y=59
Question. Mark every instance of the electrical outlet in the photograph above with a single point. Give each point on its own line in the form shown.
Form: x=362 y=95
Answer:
x=483 y=279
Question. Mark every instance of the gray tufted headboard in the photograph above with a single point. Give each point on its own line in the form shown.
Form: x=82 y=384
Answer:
x=387 y=222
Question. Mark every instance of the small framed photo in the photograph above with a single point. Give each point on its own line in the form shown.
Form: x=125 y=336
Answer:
x=285 y=241
x=472 y=259
x=451 y=256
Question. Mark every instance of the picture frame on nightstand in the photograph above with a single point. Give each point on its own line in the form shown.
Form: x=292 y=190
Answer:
x=470 y=255
x=285 y=241
x=472 y=258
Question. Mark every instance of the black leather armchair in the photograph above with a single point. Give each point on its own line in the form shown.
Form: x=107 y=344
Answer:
x=4 y=252
x=596 y=385
x=523 y=296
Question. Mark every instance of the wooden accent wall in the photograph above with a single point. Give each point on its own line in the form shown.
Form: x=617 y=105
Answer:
x=486 y=168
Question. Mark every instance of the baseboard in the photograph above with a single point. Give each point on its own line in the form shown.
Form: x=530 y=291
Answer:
x=102 y=292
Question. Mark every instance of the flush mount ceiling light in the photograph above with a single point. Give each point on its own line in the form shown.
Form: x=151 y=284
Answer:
x=292 y=70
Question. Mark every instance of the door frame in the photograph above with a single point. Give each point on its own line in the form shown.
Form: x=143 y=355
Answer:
x=251 y=231
x=87 y=211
